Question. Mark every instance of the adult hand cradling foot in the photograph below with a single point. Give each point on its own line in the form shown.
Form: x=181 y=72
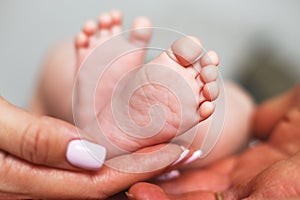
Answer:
x=268 y=170
x=181 y=69
x=35 y=153
x=43 y=157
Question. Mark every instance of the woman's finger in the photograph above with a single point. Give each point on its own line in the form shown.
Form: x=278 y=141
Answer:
x=150 y=191
x=22 y=178
x=268 y=184
x=215 y=177
x=45 y=141
x=272 y=111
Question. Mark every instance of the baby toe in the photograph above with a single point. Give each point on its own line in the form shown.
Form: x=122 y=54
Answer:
x=105 y=22
x=89 y=28
x=206 y=109
x=211 y=91
x=186 y=50
x=209 y=58
x=209 y=73
x=81 y=41
x=141 y=31
x=117 y=18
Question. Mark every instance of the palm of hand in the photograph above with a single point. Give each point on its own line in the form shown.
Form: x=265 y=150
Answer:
x=265 y=170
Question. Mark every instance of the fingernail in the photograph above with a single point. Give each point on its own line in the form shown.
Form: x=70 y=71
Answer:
x=168 y=176
x=86 y=155
x=129 y=196
x=196 y=155
x=253 y=143
x=182 y=156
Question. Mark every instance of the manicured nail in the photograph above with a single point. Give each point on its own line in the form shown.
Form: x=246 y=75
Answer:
x=182 y=156
x=196 y=155
x=129 y=196
x=168 y=176
x=253 y=143
x=86 y=155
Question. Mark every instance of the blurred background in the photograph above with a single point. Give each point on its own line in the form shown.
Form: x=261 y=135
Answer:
x=257 y=40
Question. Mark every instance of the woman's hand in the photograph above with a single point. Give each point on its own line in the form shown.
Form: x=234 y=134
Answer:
x=269 y=169
x=37 y=140
x=36 y=151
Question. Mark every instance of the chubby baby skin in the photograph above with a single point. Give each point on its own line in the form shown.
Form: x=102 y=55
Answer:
x=171 y=70
x=199 y=74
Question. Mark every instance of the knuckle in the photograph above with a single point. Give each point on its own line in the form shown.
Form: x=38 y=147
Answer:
x=35 y=143
x=5 y=166
x=3 y=158
x=97 y=181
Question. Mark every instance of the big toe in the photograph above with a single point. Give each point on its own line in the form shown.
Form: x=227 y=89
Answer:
x=141 y=31
x=185 y=50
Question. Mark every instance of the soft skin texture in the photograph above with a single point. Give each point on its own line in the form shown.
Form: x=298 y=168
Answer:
x=49 y=183
x=32 y=161
x=183 y=96
x=53 y=96
x=38 y=140
x=174 y=81
x=268 y=170
x=106 y=34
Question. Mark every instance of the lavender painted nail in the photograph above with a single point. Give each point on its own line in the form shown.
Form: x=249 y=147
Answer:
x=86 y=155
x=182 y=156
x=168 y=176
x=196 y=155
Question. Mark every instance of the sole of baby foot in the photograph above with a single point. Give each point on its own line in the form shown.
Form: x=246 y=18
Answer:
x=91 y=37
x=163 y=98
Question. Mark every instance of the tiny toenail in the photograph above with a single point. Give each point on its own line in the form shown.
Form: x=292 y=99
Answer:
x=186 y=50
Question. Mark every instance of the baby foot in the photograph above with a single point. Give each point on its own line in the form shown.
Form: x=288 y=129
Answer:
x=176 y=89
x=93 y=35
